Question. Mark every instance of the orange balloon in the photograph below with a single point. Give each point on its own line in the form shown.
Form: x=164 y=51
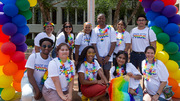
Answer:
x=177 y=93
x=4 y=59
x=10 y=69
x=17 y=86
x=172 y=82
x=18 y=76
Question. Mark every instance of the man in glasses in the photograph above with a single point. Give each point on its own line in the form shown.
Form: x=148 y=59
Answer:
x=141 y=37
x=36 y=65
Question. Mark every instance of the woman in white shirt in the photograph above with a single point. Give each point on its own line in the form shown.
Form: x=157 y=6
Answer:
x=155 y=76
x=88 y=68
x=60 y=81
x=122 y=67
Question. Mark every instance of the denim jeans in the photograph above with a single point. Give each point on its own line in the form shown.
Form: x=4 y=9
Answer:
x=139 y=96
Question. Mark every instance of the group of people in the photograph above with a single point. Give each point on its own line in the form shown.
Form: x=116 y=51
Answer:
x=94 y=51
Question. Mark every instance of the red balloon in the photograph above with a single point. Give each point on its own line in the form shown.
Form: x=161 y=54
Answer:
x=18 y=56
x=169 y=2
x=4 y=59
x=177 y=9
x=8 y=48
x=21 y=65
x=3 y=37
x=140 y=0
x=10 y=69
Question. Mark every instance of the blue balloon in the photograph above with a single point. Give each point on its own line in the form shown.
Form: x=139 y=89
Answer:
x=169 y=11
x=171 y=29
x=161 y=21
x=10 y=10
x=1 y=7
x=19 y=20
x=24 y=30
x=9 y=29
x=175 y=38
x=175 y=19
x=22 y=47
x=151 y=15
x=18 y=39
x=151 y=23
x=8 y=1
x=146 y=3
x=157 y=6
x=4 y=19
x=147 y=9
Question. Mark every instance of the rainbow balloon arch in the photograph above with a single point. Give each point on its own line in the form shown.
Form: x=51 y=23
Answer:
x=164 y=21
x=13 y=29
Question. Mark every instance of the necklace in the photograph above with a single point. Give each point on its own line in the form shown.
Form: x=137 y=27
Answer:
x=120 y=38
x=87 y=38
x=148 y=72
x=122 y=71
x=104 y=33
x=65 y=71
x=70 y=41
x=93 y=71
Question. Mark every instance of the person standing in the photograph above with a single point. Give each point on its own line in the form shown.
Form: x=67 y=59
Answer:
x=104 y=41
x=141 y=37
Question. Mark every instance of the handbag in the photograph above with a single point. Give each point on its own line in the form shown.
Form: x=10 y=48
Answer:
x=167 y=91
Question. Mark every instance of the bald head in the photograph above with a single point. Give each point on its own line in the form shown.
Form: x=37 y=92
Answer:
x=101 y=19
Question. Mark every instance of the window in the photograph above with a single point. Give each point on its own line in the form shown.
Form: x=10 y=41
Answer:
x=80 y=16
x=54 y=15
x=129 y=12
x=72 y=15
x=64 y=15
x=37 y=16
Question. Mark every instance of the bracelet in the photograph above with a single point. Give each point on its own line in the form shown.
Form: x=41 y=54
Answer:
x=157 y=93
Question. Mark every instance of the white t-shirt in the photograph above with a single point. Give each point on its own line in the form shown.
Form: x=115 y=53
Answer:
x=61 y=38
x=126 y=39
x=40 y=66
x=129 y=68
x=41 y=36
x=161 y=74
x=83 y=40
x=90 y=68
x=55 y=70
x=104 y=46
x=140 y=38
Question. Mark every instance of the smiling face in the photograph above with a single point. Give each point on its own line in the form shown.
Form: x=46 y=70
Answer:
x=90 y=54
x=120 y=26
x=68 y=28
x=49 y=28
x=46 y=47
x=101 y=19
x=150 y=54
x=141 y=22
x=121 y=59
x=87 y=28
x=63 y=52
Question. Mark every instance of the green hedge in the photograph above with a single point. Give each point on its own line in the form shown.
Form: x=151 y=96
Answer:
x=30 y=42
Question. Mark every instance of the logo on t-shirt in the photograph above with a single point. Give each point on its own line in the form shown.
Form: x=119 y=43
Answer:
x=41 y=67
x=139 y=35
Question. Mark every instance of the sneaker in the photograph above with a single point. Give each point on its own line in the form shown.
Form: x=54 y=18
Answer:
x=80 y=94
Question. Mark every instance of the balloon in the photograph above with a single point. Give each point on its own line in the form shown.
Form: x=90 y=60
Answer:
x=5 y=81
x=1 y=90
x=176 y=9
x=8 y=48
x=18 y=76
x=172 y=82
x=169 y=11
x=8 y=1
x=22 y=47
x=5 y=19
x=161 y=21
x=24 y=30
x=18 y=39
x=5 y=58
x=1 y=70
x=10 y=10
x=171 y=48
x=1 y=7
x=32 y=3
x=140 y=0
x=163 y=38
x=175 y=57
x=175 y=19
x=159 y=47
x=9 y=29
x=175 y=38
x=27 y=14
x=156 y=29
x=169 y=2
x=146 y=3
x=10 y=69
x=23 y=5
x=147 y=9
x=17 y=86
x=151 y=15
x=171 y=29
x=157 y=6
x=176 y=74
x=18 y=56
x=21 y=65
x=172 y=66
x=151 y=23
x=3 y=38
x=163 y=56
x=177 y=93
x=19 y=20
x=8 y=93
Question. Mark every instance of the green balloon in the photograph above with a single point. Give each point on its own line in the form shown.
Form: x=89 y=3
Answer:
x=156 y=29
x=171 y=48
x=27 y=14
x=175 y=57
x=23 y=5
x=1 y=90
x=163 y=38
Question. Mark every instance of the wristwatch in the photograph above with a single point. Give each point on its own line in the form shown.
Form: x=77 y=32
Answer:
x=109 y=55
x=157 y=93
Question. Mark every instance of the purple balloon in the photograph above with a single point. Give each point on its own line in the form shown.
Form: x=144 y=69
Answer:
x=1 y=7
x=19 y=20
x=4 y=19
x=18 y=39
x=157 y=6
x=146 y=3
x=169 y=11
x=22 y=47
x=9 y=29
x=175 y=19
x=147 y=10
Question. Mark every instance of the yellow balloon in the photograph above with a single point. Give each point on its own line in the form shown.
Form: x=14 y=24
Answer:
x=178 y=81
x=32 y=3
x=159 y=47
x=1 y=70
x=8 y=93
x=172 y=66
x=163 y=56
x=5 y=81
x=171 y=75
x=177 y=75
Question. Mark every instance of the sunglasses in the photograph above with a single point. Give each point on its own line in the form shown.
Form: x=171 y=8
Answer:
x=68 y=27
x=91 y=53
x=48 y=46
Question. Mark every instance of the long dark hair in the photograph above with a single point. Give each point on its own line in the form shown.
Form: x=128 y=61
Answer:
x=116 y=64
x=83 y=56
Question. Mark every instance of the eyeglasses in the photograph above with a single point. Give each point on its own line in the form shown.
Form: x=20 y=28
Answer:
x=48 y=46
x=91 y=53
x=141 y=20
x=68 y=27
